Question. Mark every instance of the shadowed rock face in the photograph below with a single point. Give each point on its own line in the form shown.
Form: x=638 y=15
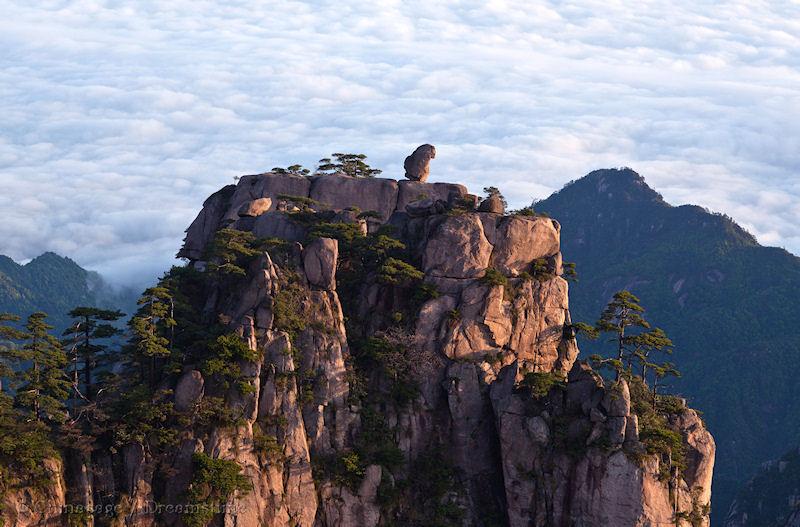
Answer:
x=502 y=456
x=417 y=165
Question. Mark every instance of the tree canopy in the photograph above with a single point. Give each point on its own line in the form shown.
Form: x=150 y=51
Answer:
x=349 y=164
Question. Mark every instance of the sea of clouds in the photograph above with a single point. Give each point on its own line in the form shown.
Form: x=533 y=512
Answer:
x=119 y=118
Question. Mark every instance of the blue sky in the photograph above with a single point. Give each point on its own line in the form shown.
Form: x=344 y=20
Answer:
x=119 y=118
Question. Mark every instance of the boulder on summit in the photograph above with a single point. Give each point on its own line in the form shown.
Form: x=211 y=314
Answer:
x=417 y=165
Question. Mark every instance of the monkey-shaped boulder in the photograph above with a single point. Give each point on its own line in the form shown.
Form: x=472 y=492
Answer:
x=417 y=165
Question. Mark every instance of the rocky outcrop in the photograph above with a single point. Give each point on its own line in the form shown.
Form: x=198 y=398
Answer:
x=492 y=204
x=417 y=165
x=42 y=506
x=254 y=208
x=391 y=381
x=573 y=455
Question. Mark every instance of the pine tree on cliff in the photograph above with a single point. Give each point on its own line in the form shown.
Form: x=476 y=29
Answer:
x=291 y=170
x=631 y=334
x=9 y=353
x=152 y=329
x=661 y=371
x=86 y=341
x=227 y=251
x=494 y=192
x=45 y=387
x=349 y=164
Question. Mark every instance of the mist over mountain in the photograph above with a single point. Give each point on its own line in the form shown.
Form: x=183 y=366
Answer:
x=728 y=303
x=56 y=284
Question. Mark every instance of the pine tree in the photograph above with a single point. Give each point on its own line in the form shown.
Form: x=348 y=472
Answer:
x=228 y=249
x=632 y=335
x=44 y=387
x=292 y=170
x=152 y=331
x=349 y=164
x=660 y=371
x=9 y=352
x=494 y=192
x=87 y=345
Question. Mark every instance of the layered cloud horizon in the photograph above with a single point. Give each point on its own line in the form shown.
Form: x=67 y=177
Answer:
x=120 y=118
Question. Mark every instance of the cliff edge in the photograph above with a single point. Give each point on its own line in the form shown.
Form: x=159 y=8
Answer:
x=407 y=360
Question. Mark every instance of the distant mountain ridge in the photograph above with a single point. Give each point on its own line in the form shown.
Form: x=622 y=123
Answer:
x=54 y=284
x=770 y=499
x=729 y=304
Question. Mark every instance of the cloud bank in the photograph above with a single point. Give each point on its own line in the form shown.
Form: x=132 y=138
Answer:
x=119 y=118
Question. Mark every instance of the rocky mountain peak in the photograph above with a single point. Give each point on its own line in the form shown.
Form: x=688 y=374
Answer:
x=402 y=357
x=612 y=185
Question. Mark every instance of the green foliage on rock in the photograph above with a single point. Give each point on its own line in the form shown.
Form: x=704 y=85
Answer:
x=395 y=271
x=230 y=251
x=225 y=354
x=493 y=277
x=144 y=417
x=214 y=481
x=87 y=342
x=291 y=170
x=429 y=496
x=24 y=446
x=540 y=383
x=288 y=310
x=353 y=165
x=391 y=355
x=43 y=386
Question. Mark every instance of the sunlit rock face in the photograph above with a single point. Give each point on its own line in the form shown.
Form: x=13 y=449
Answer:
x=396 y=330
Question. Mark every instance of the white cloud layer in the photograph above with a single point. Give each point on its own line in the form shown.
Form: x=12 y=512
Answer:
x=119 y=118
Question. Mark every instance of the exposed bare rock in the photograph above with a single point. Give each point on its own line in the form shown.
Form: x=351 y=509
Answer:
x=591 y=486
x=410 y=191
x=617 y=402
x=268 y=185
x=341 y=192
x=254 y=208
x=492 y=204
x=417 y=165
x=189 y=390
x=345 y=509
x=584 y=388
x=425 y=207
x=396 y=378
x=523 y=239
x=319 y=261
x=203 y=228
x=36 y=507
x=457 y=249
x=277 y=225
x=700 y=454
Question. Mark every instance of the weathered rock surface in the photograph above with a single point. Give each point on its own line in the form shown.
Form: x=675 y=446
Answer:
x=417 y=165
x=319 y=262
x=567 y=459
x=254 y=208
x=36 y=507
x=457 y=248
x=492 y=204
x=522 y=240
x=189 y=390
x=324 y=429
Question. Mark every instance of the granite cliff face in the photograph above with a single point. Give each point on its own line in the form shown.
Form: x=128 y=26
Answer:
x=458 y=401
